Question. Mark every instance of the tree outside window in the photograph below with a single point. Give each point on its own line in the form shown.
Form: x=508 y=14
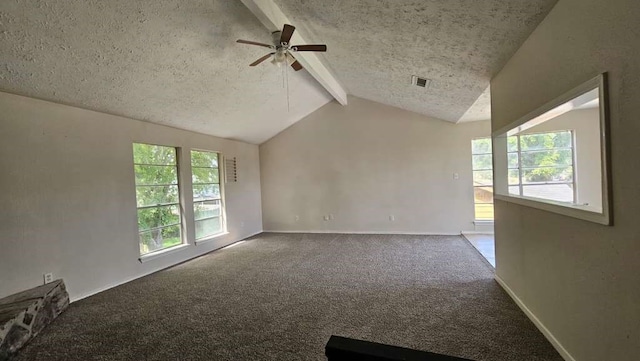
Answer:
x=157 y=197
x=482 y=178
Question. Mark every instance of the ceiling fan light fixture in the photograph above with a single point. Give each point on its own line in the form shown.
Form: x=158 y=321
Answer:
x=282 y=49
x=276 y=63
x=280 y=57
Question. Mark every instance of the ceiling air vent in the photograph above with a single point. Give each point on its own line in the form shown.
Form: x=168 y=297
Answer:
x=421 y=82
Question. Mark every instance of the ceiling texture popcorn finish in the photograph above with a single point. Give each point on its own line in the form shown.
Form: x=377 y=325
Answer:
x=170 y=62
x=375 y=46
x=176 y=62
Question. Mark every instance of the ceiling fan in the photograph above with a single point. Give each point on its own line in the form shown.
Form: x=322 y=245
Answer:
x=282 y=53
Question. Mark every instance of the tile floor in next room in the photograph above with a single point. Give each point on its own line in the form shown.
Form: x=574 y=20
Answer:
x=485 y=244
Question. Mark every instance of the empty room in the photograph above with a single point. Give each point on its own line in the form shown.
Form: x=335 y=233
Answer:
x=320 y=180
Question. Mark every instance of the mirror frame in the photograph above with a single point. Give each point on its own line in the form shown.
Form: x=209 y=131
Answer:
x=499 y=140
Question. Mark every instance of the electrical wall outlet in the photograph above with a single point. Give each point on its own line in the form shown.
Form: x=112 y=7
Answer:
x=296 y=218
x=456 y=176
x=392 y=217
x=330 y=216
x=326 y=218
x=48 y=278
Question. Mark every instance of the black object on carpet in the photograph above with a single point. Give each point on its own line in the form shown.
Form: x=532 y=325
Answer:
x=349 y=349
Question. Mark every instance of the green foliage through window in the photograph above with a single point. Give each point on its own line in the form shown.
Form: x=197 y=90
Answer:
x=541 y=165
x=207 y=199
x=157 y=197
x=482 y=163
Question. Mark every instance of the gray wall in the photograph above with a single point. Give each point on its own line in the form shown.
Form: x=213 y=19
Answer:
x=367 y=161
x=68 y=195
x=580 y=279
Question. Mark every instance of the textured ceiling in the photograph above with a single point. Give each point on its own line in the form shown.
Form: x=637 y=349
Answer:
x=374 y=47
x=171 y=62
x=175 y=62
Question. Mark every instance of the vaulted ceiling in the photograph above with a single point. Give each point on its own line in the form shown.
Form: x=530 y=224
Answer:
x=175 y=62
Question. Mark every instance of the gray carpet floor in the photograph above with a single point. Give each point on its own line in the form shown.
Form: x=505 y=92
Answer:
x=280 y=297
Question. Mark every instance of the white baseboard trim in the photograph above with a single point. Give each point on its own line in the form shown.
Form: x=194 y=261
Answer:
x=109 y=286
x=360 y=232
x=475 y=232
x=545 y=331
x=127 y=280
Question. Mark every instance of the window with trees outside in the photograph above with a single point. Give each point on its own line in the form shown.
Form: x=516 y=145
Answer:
x=207 y=200
x=482 y=179
x=157 y=197
x=540 y=165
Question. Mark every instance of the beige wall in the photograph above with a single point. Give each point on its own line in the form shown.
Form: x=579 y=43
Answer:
x=585 y=124
x=581 y=279
x=68 y=195
x=365 y=162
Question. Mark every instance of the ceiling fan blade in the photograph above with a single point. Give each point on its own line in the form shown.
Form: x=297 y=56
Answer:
x=287 y=32
x=261 y=59
x=316 y=47
x=296 y=66
x=254 y=43
x=294 y=63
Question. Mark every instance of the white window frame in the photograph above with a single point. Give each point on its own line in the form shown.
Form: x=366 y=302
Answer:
x=500 y=180
x=521 y=185
x=223 y=218
x=473 y=170
x=183 y=240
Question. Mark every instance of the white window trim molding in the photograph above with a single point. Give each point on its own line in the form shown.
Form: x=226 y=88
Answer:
x=484 y=222
x=223 y=201
x=178 y=151
x=481 y=222
x=163 y=252
x=571 y=210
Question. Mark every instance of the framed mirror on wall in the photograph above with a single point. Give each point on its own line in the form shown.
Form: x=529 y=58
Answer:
x=556 y=157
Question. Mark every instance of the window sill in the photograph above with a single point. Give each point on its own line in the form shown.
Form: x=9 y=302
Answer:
x=151 y=256
x=566 y=209
x=212 y=238
x=483 y=222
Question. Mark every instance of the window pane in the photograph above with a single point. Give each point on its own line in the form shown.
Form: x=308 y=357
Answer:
x=155 y=217
x=563 y=140
x=481 y=146
x=547 y=158
x=159 y=239
x=206 y=191
x=484 y=211
x=157 y=196
x=482 y=177
x=482 y=161
x=545 y=141
x=154 y=195
x=542 y=175
x=153 y=154
x=204 y=159
x=208 y=227
x=206 y=209
x=483 y=194
x=156 y=174
x=514 y=190
x=204 y=175
x=514 y=177
x=512 y=160
x=512 y=144
x=556 y=192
